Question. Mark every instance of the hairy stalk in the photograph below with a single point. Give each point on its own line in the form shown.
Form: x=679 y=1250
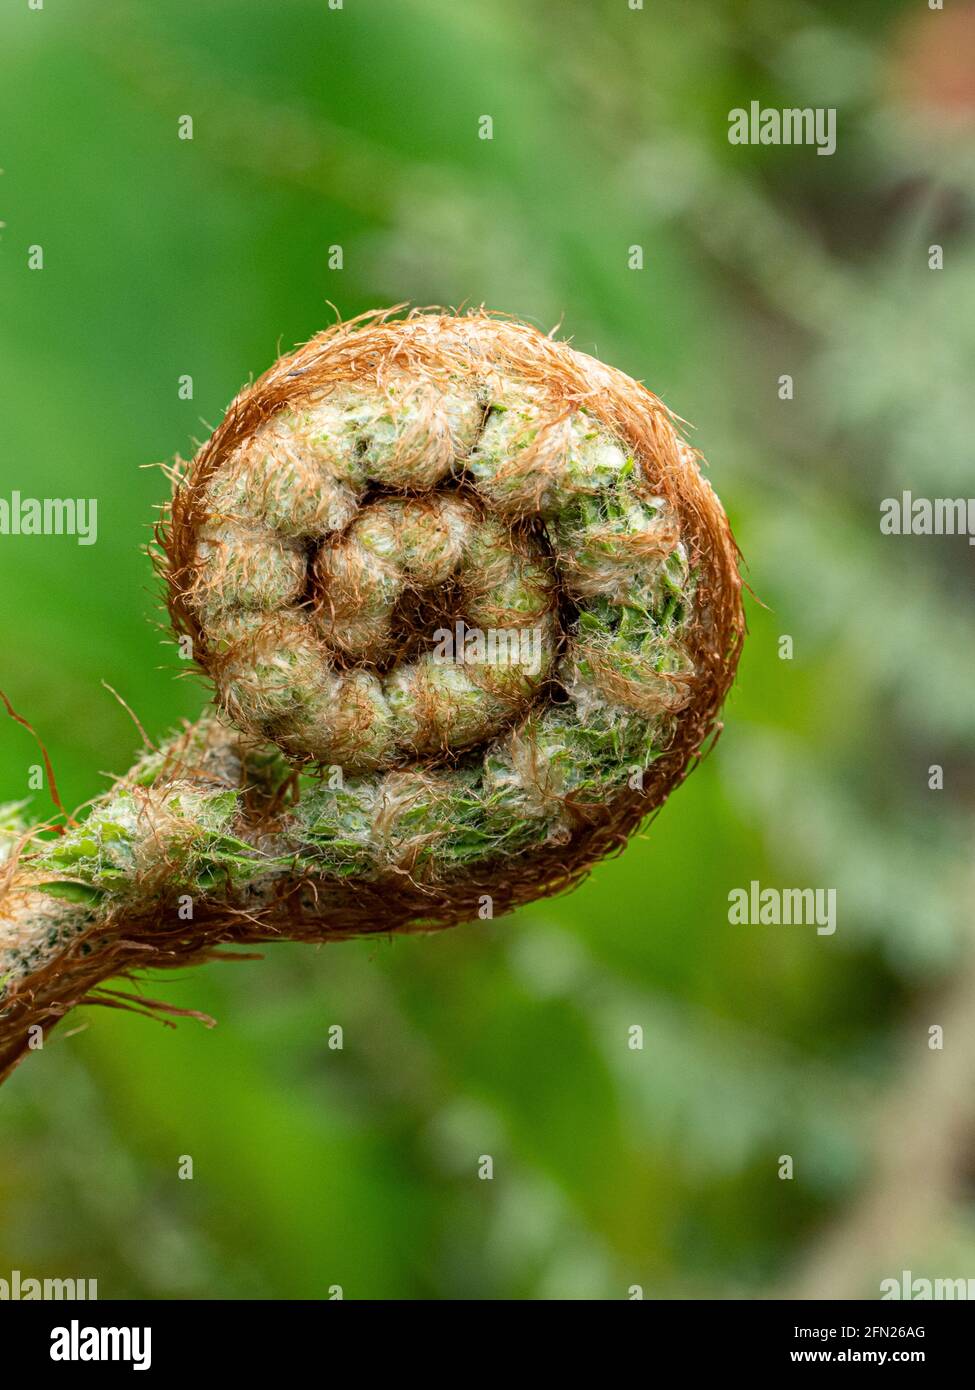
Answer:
x=469 y=611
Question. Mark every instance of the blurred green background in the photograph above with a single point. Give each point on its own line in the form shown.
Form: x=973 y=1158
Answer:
x=358 y=127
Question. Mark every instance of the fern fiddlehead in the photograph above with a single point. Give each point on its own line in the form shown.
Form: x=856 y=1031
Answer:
x=469 y=611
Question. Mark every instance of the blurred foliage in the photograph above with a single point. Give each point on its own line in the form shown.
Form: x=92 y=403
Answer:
x=315 y=127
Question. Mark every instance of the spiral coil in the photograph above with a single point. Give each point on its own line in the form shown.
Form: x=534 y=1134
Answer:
x=469 y=611
x=467 y=567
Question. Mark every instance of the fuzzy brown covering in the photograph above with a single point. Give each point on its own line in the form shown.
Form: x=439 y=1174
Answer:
x=329 y=909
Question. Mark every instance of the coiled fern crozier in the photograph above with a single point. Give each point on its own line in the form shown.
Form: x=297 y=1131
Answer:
x=469 y=611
